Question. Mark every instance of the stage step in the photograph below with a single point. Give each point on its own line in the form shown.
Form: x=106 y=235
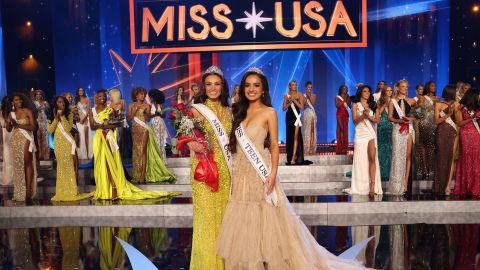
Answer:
x=317 y=160
x=15 y=215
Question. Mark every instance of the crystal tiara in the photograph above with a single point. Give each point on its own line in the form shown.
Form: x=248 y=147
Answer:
x=214 y=70
x=255 y=70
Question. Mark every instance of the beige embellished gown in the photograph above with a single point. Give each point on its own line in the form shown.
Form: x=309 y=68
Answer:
x=17 y=144
x=256 y=235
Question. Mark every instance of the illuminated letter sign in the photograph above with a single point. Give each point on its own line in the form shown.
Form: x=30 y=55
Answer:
x=233 y=25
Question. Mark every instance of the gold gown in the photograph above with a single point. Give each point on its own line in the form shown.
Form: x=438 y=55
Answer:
x=154 y=170
x=66 y=185
x=17 y=144
x=139 y=158
x=208 y=207
x=107 y=161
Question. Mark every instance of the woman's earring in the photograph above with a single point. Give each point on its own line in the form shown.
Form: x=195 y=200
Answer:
x=263 y=94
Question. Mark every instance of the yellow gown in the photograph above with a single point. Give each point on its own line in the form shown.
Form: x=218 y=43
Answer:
x=208 y=207
x=107 y=160
x=66 y=184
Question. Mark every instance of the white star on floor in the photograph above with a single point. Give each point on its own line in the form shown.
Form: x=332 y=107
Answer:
x=253 y=20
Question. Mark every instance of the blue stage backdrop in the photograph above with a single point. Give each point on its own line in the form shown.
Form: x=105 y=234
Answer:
x=3 y=82
x=406 y=40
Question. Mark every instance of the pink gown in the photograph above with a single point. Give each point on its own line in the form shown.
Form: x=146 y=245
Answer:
x=467 y=181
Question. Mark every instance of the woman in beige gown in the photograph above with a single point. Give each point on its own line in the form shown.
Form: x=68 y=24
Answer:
x=256 y=234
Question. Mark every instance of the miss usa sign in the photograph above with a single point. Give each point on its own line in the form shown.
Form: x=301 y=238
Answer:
x=233 y=25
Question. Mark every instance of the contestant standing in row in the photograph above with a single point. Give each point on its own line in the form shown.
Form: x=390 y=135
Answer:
x=400 y=114
x=309 y=120
x=342 y=101
x=42 y=107
x=293 y=102
x=22 y=122
x=82 y=102
x=147 y=163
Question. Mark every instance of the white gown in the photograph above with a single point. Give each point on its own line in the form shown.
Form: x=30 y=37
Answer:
x=83 y=151
x=364 y=132
x=7 y=173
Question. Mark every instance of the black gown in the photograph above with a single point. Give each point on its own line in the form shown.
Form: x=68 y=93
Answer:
x=290 y=126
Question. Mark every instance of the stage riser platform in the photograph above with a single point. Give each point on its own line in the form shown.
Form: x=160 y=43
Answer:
x=179 y=216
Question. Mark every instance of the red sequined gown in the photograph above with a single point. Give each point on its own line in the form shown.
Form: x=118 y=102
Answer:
x=467 y=179
x=342 y=115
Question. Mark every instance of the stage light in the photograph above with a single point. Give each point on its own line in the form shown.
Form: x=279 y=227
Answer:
x=474 y=78
x=29 y=23
x=474 y=45
x=476 y=8
x=30 y=56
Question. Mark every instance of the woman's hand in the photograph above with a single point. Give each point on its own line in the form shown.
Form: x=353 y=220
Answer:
x=270 y=184
x=59 y=114
x=196 y=147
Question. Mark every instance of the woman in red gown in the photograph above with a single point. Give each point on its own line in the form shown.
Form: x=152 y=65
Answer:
x=342 y=120
x=467 y=180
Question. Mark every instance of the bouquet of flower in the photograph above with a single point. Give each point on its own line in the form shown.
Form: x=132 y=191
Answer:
x=190 y=129
x=116 y=117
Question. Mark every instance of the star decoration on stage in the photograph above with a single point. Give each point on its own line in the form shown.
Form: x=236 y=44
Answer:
x=253 y=20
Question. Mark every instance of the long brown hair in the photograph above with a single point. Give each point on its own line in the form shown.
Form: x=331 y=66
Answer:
x=202 y=97
x=239 y=109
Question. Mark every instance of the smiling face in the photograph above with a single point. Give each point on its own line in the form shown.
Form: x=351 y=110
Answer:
x=344 y=90
x=389 y=91
x=60 y=104
x=308 y=88
x=432 y=88
x=81 y=92
x=17 y=102
x=213 y=87
x=403 y=88
x=38 y=95
x=69 y=97
x=101 y=98
x=140 y=97
x=420 y=90
x=253 y=88
x=292 y=86
x=365 y=93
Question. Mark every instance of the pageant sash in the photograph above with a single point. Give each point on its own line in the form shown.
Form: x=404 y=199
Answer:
x=344 y=103
x=428 y=99
x=401 y=114
x=449 y=121
x=474 y=121
x=220 y=132
x=31 y=147
x=109 y=136
x=298 y=121
x=416 y=99
x=68 y=137
x=140 y=122
x=256 y=160
x=367 y=122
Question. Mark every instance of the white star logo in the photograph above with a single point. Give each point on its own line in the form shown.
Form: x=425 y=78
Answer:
x=253 y=20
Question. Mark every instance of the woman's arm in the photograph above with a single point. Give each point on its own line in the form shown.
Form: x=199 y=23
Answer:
x=459 y=119
x=438 y=118
x=356 y=118
x=131 y=112
x=390 y=115
x=272 y=122
x=378 y=112
x=285 y=103
x=92 y=122
x=313 y=98
x=301 y=103
x=67 y=122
